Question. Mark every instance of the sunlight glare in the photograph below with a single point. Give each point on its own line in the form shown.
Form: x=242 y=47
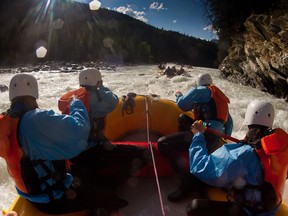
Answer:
x=94 y=5
x=41 y=52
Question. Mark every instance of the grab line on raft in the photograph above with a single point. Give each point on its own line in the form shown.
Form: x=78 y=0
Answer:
x=152 y=154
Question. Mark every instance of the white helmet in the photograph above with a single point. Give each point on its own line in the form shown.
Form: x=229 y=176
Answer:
x=23 y=85
x=260 y=113
x=204 y=79
x=89 y=77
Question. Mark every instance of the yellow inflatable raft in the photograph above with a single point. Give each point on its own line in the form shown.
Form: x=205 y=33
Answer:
x=142 y=120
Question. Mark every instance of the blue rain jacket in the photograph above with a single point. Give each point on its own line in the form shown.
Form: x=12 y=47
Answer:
x=107 y=102
x=46 y=135
x=202 y=94
x=230 y=165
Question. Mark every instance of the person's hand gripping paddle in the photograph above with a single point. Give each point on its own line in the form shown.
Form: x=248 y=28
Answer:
x=198 y=126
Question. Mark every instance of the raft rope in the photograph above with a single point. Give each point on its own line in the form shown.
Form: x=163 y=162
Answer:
x=152 y=154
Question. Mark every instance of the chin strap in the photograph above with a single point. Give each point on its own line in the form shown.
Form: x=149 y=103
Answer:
x=152 y=154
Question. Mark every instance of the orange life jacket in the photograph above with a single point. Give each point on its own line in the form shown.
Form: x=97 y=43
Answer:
x=19 y=166
x=97 y=123
x=215 y=109
x=273 y=156
x=221 y=102
x=81 y=94
x=10 y=150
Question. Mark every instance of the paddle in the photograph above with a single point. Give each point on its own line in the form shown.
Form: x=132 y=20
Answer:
x=198 y=125
x=225 y=136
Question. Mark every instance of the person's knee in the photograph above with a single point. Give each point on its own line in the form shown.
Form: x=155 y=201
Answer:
x=182 y=118
x=162 y=145
x=11 y=213
x=161 y=140
x=193 y=207
x=184 y=122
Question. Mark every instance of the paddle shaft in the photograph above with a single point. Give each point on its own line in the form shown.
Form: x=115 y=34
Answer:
x=225 y=136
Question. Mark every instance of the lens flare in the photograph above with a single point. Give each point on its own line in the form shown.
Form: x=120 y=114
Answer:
x=41 y=52
x=94 y=5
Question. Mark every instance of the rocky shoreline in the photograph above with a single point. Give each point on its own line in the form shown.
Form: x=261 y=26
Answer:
x=259 y=57
x=62 y=67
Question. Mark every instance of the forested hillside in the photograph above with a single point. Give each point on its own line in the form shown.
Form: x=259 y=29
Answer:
x=72 y=32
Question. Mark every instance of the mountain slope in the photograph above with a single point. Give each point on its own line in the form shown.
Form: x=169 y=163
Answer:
x=70 y=31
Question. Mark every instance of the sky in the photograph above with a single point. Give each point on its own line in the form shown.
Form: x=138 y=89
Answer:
x=183 y=16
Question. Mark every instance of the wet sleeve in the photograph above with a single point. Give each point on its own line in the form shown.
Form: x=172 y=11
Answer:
x=195 y=95
x=79 y=113
x=47 y=135
x=225 y=167
x=109 y=100
x=103 y=103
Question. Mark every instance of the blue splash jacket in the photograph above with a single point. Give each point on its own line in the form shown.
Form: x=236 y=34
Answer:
x=202 y=94
x=230 y=165
x=46 y=135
